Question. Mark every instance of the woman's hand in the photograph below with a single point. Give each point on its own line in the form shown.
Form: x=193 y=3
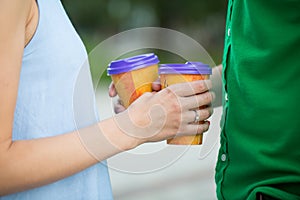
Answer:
x=162 y=115
x=112 y=92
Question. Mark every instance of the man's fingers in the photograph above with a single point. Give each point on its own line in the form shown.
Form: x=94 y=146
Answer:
x=193 y=129
x=118 y=107
x=156 y=86
x=112 y=92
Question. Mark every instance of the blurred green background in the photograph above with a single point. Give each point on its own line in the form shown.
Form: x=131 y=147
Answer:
x=202 y=20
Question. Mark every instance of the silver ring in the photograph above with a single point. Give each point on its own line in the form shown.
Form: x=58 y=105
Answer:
x=197 y=117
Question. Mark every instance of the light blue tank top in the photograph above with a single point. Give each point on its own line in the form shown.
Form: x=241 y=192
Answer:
x=52 y=63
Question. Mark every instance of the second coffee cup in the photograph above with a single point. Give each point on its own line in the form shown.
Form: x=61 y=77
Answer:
x=178 y=73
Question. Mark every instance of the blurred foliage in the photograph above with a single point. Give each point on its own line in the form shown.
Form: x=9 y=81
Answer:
x=203 y=20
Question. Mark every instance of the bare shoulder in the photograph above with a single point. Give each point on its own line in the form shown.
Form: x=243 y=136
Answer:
x=14 y=11
x=15 y=4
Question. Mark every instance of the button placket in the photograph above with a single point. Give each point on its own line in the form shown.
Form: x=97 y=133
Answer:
x=223 y=154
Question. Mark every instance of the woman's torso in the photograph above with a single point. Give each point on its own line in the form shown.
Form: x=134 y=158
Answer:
x=52 y=62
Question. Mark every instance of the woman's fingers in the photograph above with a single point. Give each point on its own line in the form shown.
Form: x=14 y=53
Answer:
x=189 y=117
x=191 y=88
x=193 y=129
x=196 y=101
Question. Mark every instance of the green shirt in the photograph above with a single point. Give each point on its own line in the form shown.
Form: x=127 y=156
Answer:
x=260 y=139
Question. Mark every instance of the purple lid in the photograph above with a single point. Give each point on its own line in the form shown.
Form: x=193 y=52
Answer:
x=186 y=68
x=132 y=63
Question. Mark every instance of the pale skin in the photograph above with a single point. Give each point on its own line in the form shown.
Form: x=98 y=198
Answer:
x=23 y=162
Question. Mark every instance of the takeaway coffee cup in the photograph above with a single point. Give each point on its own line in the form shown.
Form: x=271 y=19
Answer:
x=133 y=76
x=179 y=73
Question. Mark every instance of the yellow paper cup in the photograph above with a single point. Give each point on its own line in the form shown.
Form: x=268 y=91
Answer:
x=178 y=73
x=133 y=76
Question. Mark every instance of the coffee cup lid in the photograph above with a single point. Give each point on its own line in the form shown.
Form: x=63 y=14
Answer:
x=186 y=68
x=132 y=63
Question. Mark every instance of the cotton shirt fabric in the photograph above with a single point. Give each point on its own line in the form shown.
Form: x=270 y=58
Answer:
x=260 y=136
x=53 y=63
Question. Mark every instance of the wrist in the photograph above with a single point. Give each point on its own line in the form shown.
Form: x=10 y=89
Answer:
x=118 y=136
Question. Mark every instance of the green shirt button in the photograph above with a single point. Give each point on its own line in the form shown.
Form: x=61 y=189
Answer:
x=223 y=157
